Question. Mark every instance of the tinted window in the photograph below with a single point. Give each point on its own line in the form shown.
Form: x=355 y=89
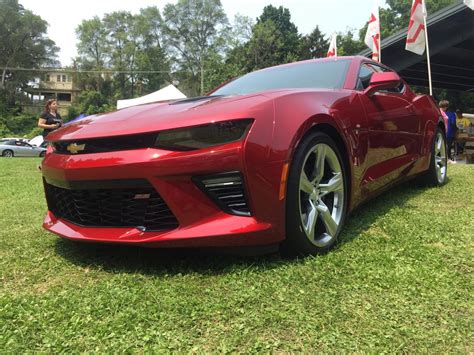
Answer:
x=365 y=73
x=324 y=74
x=7 y=143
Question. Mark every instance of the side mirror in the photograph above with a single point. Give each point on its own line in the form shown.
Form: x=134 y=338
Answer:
x=382 y=81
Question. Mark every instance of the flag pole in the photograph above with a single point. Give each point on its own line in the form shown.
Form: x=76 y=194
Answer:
x=380 y=32
x=427 y=49
x=380 y=46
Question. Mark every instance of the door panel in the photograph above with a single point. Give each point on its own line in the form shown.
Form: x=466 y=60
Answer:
x=394 y=136
x=393 y=130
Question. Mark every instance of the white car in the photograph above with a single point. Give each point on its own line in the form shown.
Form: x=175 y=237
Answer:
x=15 y=148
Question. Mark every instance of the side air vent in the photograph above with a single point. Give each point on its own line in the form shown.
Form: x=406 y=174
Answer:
x=226 y=190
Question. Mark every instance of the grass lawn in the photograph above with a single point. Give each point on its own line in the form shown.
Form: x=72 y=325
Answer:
x=401 y=280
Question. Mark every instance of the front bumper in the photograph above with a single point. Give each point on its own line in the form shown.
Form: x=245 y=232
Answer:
x=202 y=223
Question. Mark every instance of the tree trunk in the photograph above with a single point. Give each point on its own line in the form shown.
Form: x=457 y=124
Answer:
x=202 y=78
x=4 y=73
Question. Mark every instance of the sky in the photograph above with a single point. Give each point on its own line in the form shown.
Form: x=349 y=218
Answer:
x=64 y=16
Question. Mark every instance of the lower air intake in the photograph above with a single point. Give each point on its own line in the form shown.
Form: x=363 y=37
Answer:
x=226 y=190
x=110 y=205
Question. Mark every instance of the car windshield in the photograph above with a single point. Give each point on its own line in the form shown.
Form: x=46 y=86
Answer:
x=314 y=74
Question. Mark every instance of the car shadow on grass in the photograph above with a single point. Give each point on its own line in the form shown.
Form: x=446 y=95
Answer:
x=132 y=259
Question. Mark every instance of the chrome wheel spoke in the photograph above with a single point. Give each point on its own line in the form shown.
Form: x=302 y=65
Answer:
x=439 y=142
x=334 y=185
x=305 y=185
x=310 y=225
x=440 y=161
x=320 y=152
x=330 y=224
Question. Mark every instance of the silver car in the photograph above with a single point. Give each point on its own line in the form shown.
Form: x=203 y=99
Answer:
x=15 y=148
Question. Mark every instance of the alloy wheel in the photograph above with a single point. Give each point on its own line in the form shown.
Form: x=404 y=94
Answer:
x=440 y=157
x=321 y=195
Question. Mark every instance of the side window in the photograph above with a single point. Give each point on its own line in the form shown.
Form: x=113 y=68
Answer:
x=365 y=73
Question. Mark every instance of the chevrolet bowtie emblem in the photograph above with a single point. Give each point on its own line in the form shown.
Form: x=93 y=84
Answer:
x=74 y=148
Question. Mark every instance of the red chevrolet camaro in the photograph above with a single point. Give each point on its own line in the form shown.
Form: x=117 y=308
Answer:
x=279 y=156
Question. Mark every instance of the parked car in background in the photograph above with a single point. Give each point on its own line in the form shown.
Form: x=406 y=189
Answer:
x=15 y=148
x=279 y=156
x=37 y=141
x=14 y=139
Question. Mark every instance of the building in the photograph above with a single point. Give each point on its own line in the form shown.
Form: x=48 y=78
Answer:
x=54 y=84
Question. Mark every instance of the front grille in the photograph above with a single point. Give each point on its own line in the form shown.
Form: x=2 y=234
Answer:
x=227 y=190
x=109 y=144
x=111 y=207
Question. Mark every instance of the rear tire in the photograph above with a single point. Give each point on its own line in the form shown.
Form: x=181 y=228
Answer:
x=437 y=173
x=7 y=154
x=42 y=154
x=316 y=197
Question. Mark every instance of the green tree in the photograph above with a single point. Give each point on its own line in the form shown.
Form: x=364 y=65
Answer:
x=152 y=55
x=23 y=43
x=123 y=50
x=266 y=47
x=130 y=45
x=313 y=45
x=287 y=30
x=347 y=45
x=92 y=45
x=195 y=30
x=93 y=51
x=90 y=102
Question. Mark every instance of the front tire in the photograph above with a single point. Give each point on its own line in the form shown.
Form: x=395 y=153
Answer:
x=437 y=173
x=316 y=198
x=7 y=154
x=42 y=154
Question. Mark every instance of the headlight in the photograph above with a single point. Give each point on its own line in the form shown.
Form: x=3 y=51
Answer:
x=198 y=137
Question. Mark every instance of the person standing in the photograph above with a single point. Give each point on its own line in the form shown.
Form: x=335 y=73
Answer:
x=451 y=128
x=443 y=107
x=463 y=123
x=50 y=119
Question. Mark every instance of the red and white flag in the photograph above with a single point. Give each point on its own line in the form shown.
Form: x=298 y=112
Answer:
x=469 y=3
x=372 y=36
x=416 y=41
x=332 y=52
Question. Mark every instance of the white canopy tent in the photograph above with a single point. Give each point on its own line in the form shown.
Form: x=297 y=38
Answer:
x=167 y=93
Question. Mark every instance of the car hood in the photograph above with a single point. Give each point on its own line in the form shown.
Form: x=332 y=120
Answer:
x=162 y=116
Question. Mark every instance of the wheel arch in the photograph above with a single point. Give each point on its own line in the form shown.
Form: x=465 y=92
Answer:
x=8 y=150
x=326 y=124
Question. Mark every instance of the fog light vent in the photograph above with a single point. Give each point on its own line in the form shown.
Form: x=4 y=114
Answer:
x=226 y=190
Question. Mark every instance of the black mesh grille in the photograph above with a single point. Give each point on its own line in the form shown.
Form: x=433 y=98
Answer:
x=111 y=207
x=102 y=145
x=227 y=190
